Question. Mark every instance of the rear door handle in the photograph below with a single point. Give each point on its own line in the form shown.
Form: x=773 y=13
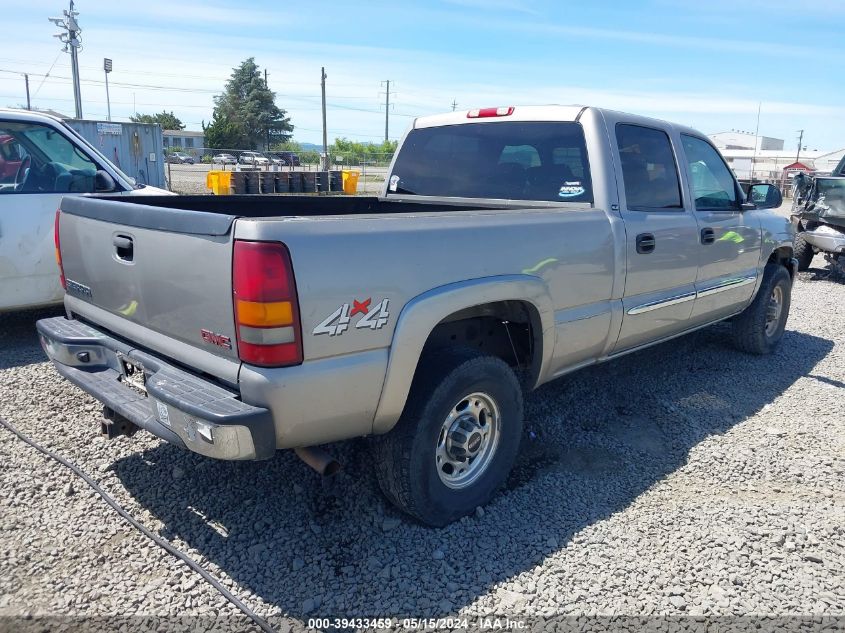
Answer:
x=708 y=236
x=124 y=247
x=645 y=243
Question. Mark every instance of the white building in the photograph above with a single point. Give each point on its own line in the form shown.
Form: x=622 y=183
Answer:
x=739 y=139
x=770 y=164
x=769 y=160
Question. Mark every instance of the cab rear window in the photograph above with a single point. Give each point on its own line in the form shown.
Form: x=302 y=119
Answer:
x=544 y=161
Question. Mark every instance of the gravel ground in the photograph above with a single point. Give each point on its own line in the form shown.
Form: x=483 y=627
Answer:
x=685 y=479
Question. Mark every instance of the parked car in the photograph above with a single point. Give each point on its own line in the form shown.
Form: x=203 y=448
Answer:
x=41 y=160
x=287 y=158
x=253 y=158
x=180 y=158
x=224 y=159
x=509 y=247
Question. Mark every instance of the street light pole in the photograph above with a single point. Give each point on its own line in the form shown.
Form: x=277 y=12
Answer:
x=107 y=66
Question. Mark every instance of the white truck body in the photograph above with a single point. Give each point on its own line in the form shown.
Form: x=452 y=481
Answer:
x=27 y=214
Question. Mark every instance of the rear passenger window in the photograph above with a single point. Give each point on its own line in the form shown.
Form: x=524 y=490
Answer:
x=648 y=168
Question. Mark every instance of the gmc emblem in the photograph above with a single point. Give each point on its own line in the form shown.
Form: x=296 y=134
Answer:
x=216 y=339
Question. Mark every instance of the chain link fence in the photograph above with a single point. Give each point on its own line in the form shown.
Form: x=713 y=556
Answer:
x=186 y=169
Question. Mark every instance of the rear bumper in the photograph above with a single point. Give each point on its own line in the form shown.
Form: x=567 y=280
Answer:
x=178 y=406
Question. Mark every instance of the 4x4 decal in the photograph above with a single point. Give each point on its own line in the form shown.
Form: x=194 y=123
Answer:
x=338 y=321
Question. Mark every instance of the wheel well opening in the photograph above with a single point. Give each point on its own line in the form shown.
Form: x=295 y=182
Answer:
x=782 y=256
x=509 y=330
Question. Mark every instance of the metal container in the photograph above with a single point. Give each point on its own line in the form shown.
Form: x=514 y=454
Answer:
x=283 y=182
x=296 y=182
x=309 y=181
x=136 y=149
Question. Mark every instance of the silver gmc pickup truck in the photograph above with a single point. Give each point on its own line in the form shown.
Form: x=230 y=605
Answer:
x=508 y=247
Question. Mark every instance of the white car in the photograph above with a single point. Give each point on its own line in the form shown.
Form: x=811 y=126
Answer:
x=225 y=159
x=41 y=161
x=253 y=158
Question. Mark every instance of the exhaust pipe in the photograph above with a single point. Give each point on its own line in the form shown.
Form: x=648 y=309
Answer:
x=319 y=460
x=115 y=424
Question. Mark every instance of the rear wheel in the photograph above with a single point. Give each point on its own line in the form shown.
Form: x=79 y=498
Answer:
x=457 y=438
x=803 y=252
x=759 y=328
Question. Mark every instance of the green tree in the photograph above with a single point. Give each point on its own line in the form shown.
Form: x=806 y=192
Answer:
x=167 y=120
x=245 y=114
x=354 y=151
x=224 y=132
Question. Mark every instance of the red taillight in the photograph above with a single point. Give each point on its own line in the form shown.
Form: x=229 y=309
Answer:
x=484 y=113
x=266 y=306
x=59 y=250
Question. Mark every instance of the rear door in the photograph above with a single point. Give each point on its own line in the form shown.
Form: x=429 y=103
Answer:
x=661 y=235
x=730 y=239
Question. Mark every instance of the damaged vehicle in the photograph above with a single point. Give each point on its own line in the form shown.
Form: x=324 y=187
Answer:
x=818 y=215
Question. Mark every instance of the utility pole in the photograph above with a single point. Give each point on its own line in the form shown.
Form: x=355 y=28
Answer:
x=386 y=109
x=454 y=105
x=756 y=140
x=267 y=86
x=324 y=162
x=26 y=81
x=800 y=140
x=107 y=66
x=69 y=36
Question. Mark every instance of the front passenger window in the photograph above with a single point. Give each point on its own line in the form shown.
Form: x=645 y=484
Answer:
x=711 y=181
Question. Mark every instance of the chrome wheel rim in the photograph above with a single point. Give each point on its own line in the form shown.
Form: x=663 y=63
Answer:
x=774 y=310
x=468 y=439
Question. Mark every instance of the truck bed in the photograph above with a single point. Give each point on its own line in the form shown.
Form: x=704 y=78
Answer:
x=274 y=206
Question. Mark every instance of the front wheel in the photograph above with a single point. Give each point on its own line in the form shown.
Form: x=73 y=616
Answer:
x=759 y=328
x=457 y=438
x=803 y=252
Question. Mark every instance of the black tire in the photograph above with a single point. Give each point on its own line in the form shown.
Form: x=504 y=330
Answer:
x=405 y=457
x=803 y=252
x=750 y=331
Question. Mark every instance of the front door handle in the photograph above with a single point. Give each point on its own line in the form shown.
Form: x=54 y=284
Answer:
x=708 y=236
x=645 y=243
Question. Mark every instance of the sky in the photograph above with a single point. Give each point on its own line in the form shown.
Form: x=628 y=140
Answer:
x=706 y=63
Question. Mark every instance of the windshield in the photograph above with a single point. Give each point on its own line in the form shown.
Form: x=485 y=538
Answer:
x=544 y=161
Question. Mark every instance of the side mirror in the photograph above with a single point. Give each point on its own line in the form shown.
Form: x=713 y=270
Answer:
x=103 y=182
x=765 y=196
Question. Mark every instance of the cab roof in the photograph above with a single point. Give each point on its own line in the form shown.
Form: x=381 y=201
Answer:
x=563 y=113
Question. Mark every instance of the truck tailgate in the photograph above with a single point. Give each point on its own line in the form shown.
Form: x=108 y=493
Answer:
x=160 y=277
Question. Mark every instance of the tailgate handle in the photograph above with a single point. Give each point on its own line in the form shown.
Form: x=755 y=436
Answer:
x=645 y=243
x=124 y=247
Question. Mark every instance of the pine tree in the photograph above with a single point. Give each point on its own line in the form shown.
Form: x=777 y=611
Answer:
x=245 y=114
